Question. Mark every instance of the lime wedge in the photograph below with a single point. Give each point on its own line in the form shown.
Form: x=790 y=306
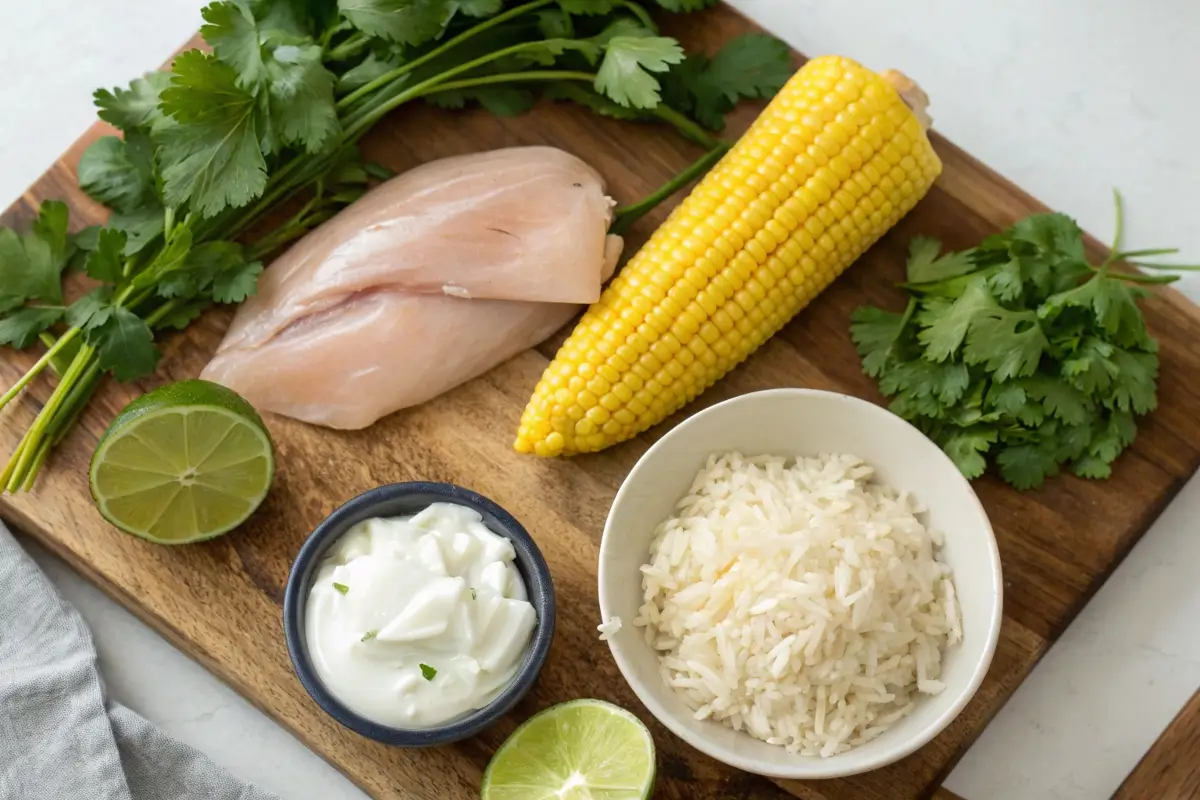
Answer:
x=581 y=750
x=184 y=463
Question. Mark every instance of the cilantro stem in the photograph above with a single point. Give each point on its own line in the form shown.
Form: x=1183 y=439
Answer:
x=1119 y=223
x=626 y=216
x=1153 y=251
x=510 y=77
x=1133 y=277
x=13 y=477
x=348 y=49
x=64 y=421
x=156 y=316
x=1177 y=267
x=38 y=366
x=357 y=124
x=404 y=69
x=25 y=483
x=685 y=126
x=642 y=14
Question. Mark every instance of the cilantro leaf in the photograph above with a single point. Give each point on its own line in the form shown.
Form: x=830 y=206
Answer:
x=141 y=226
x=135 y=107
x=625 y=74
x=428 y=672
x=182 y=316
x=297 y=17
x=367 y=70
x=1008 y=343
x=925 y=265
x=1050 y=233
x=1091 y=368
x=1005 y=281
x=119 y=174
x=1061 y=400
x=51 y=226
x=1026 y=466
x=21 y=328
x=502 y=101
x=1112 y=438
x=945 y=334
x=1008 y=398
x=105 y=261
x=1073 y=440
x=211 y=148
x=170 y=259
x=1089 y=466
x=91 y=310
x=300 y=91
x=479 y=8
x=925 y=388
x=585 y=96
x=28 y=268
x=966 y=448
x=1134 y=390
x=232 y=31
x=749 y=66
x=1053 y=353
x=235 y=285
x=1113 y=303
x=555 y=24
x=285 y=71
x=876 y=333
x=410 y=22
x=125 y=345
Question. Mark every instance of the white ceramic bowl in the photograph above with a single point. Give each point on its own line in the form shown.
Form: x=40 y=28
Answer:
x=808 y=422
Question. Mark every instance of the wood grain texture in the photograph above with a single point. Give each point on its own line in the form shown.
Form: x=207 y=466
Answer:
x=220 y=601
x=945 y=794
x=1171 y=768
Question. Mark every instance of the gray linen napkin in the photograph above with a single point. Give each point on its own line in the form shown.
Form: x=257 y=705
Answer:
x=60 y=739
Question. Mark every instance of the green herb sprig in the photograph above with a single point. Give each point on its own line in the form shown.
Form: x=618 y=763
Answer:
x=211 y=148
x=1019 y=351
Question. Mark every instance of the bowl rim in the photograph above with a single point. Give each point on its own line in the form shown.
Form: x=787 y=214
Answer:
x=806 y=767
x=303 y=570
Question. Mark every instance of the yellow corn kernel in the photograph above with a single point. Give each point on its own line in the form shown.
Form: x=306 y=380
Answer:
x=833 y=162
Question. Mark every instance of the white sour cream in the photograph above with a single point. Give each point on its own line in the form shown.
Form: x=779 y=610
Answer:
x=414 y=621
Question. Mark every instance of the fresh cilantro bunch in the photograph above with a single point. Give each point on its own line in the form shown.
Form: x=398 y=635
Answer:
x=1019 y=350
x=211 y=149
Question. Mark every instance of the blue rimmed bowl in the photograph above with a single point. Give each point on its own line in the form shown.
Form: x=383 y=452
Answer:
x=403 y=499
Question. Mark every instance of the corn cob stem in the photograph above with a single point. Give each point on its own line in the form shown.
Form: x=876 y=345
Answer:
x=913 y=96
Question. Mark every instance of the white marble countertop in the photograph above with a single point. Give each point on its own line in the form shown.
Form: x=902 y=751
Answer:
x=1067 y=98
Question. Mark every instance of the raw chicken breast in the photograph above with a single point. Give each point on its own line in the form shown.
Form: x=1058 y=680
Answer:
x=355 y=322
x=524 y=223
x=380 y=352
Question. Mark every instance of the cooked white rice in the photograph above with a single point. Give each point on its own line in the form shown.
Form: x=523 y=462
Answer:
x=798 y=601
x=609 y=628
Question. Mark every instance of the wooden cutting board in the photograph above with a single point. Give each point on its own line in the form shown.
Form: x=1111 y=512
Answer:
x=220 y=601
x=1170 y=770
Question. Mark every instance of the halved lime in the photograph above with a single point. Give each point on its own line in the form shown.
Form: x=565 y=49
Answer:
x=184 y=463
x=580 y=750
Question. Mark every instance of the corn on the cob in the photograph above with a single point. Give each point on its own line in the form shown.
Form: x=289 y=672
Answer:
x=833 y=162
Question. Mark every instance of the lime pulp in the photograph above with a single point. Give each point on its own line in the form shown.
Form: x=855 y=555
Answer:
x=181 y=464
x=579 y=750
